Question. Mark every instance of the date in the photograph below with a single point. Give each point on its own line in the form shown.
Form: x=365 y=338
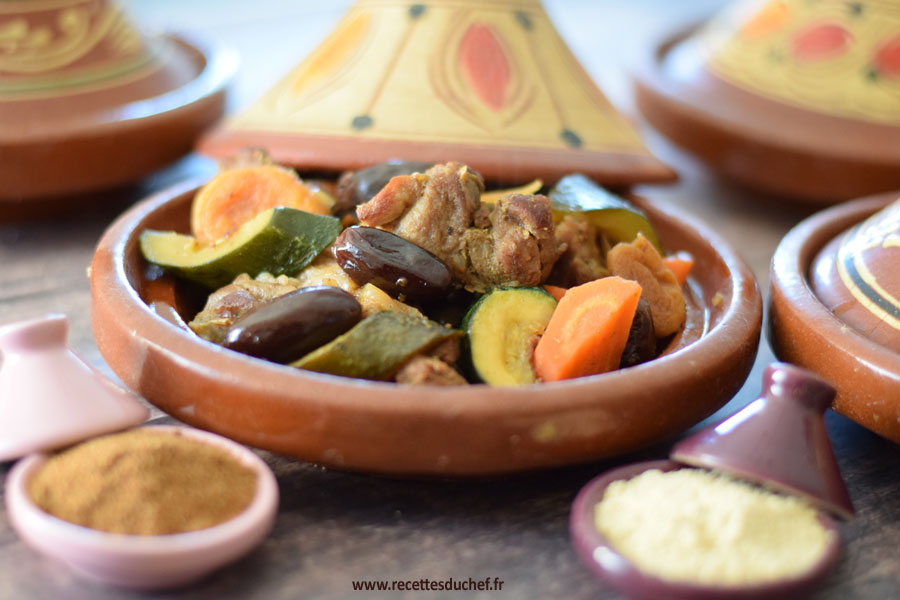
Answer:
x=397 y=266
x=292 y=325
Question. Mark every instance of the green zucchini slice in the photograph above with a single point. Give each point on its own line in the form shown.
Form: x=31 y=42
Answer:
x=376 y=347
x=500 y=329
x=279 y=240
x=620 y=220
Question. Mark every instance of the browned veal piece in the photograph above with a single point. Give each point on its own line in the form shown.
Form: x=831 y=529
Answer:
x=440 y=210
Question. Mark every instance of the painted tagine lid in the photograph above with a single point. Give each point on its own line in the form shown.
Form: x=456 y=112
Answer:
x=489 y=83
x=856 y=276
x=88 y=101
x=792 y=97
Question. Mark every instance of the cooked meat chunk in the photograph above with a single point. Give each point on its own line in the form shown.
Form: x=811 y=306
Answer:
x=512 y=245
x=325 y=270
x=641 y=262
x=482 y=217
x=520 y=247
x=229 y=303
x=373 y=300
x=429 y=370
x=581 y=261
x=447 y=351
x=431 y=209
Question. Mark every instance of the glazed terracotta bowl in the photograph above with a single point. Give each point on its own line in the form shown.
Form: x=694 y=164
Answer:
x=802 y=330
x=602 y=559
x=398 y=429
x=145 y=561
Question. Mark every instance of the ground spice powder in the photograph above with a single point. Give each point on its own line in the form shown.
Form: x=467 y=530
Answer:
x=144 y=482
x=696 y=526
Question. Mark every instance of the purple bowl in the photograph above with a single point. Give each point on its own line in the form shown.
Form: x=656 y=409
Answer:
x=609 y=565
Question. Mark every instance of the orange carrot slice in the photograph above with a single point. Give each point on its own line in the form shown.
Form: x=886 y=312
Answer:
x=556 y=291
x=680 y=264
x=588 y=330
x=236 y=195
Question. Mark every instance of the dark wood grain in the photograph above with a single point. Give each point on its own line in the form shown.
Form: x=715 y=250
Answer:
x=332 y=527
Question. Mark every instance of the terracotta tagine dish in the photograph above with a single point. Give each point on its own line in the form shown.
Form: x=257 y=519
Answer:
x=794 y=98
x=834 y=307
x=88 y=102
x=490 y=84
x=139 y=314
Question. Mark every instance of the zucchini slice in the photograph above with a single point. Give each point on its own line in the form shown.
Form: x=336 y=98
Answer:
x=279 y=240
x=620 y=220
x=377 y=346
x=500 y=328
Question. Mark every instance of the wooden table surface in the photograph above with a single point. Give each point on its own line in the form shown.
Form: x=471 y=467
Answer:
x=334 y=528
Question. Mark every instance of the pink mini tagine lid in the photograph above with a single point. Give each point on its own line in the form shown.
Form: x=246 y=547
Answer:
x=778 y=441
x=49 y=397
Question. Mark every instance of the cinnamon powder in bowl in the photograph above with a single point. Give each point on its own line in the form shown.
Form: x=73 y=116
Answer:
x=154 y=507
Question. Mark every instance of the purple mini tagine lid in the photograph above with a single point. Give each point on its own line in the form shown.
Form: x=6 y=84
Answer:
x=49 y=397
x=778 y=441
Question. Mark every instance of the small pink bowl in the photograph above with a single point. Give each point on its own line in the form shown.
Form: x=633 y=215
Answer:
x=601 y=558
x=138 y=561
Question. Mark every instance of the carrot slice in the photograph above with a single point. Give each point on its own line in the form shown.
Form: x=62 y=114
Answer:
x=680 y=264
x=588 y=330
x=236 y=195
x=556 y=291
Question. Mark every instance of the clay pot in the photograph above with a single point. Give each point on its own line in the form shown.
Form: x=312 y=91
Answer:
x=817 y=322
x=388 y=428
x=789 y=97
x=88 y=102
x=855 y=276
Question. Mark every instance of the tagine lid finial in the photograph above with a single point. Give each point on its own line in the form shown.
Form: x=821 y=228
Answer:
x=778 y=441
x=488 y=83
x=49 y=397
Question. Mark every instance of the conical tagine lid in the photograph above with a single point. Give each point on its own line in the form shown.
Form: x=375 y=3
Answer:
x=832 y=57
x=489 y=83
x=796 y=97
x=778 y=441
x=87 y=101
x=49 y=398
